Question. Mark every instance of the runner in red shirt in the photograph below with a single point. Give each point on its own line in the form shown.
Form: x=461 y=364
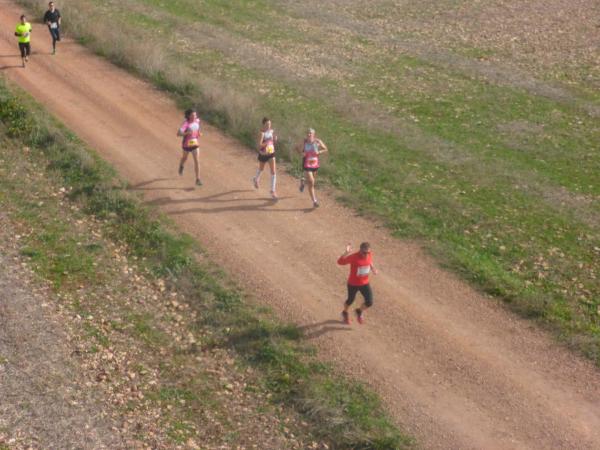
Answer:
x=361 y=265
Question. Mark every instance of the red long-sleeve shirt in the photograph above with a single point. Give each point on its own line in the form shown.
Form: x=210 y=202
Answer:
x=360 y=267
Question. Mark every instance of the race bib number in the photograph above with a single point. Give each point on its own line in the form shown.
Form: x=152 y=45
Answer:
x=361 y=271
x=192 y=143
x=270 y=149
x=311 y=162
x=54 y=25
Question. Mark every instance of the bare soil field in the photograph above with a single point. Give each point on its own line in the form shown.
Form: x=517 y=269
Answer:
x=554 y=39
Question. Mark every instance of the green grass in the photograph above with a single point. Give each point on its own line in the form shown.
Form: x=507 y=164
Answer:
x=175 y=394
x=143 y=326
x=289 y=369
x=500 y=182
x=180 y=432
x=97 y=335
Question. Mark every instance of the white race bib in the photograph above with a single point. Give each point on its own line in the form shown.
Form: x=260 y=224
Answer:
x=54 y=25
x=361 y=271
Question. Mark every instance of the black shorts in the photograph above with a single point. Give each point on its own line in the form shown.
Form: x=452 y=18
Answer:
x=265 y=157
x=366 y=292
x=25 y=48
x=189 y=149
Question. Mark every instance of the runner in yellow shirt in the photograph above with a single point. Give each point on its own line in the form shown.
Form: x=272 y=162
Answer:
x=23 y=32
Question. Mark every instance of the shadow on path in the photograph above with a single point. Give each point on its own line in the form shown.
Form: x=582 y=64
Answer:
x=315 y=330
x=258 y=204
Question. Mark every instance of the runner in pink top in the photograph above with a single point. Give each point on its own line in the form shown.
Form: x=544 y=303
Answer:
x=190 y=131
x=310 y=149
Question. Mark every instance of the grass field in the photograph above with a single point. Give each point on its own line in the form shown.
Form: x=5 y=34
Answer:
x=472 y=127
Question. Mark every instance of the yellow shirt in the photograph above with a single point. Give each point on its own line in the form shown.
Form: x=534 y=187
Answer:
x=24 y=32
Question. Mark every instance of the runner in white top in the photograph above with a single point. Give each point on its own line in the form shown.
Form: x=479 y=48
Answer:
x=190 y=132
x=266 y=153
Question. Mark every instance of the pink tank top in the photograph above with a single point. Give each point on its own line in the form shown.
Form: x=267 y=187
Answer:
x=190 y=141
x=311 y=155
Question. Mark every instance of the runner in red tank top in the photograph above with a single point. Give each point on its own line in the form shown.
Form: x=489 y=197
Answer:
x=310 y=149
x=361 y=265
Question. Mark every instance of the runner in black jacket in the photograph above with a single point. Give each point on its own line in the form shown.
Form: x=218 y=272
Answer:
x=52 y=19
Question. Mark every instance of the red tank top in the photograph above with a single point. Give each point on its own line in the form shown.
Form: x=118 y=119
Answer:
x=311 y=155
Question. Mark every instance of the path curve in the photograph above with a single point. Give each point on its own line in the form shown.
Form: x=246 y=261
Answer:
x=453 y=367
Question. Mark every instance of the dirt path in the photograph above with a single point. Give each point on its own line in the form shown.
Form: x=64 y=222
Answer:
x=453 y=367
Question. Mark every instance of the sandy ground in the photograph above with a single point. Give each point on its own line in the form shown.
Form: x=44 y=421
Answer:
x=453 y=367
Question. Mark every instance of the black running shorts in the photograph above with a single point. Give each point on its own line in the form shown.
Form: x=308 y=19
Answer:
x=365 y=290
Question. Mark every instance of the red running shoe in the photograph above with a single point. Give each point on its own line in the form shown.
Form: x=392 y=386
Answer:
x=346 y=317
x=359 y=316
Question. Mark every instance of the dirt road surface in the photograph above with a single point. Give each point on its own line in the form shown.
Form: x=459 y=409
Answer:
x=453 y=367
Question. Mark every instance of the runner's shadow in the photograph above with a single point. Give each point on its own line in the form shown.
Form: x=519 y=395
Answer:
x=145 y=186
x=265 y=205
x=260 y=204
x=170 y=188
x=139 y=186
x=315 y=330
x=214 y=198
